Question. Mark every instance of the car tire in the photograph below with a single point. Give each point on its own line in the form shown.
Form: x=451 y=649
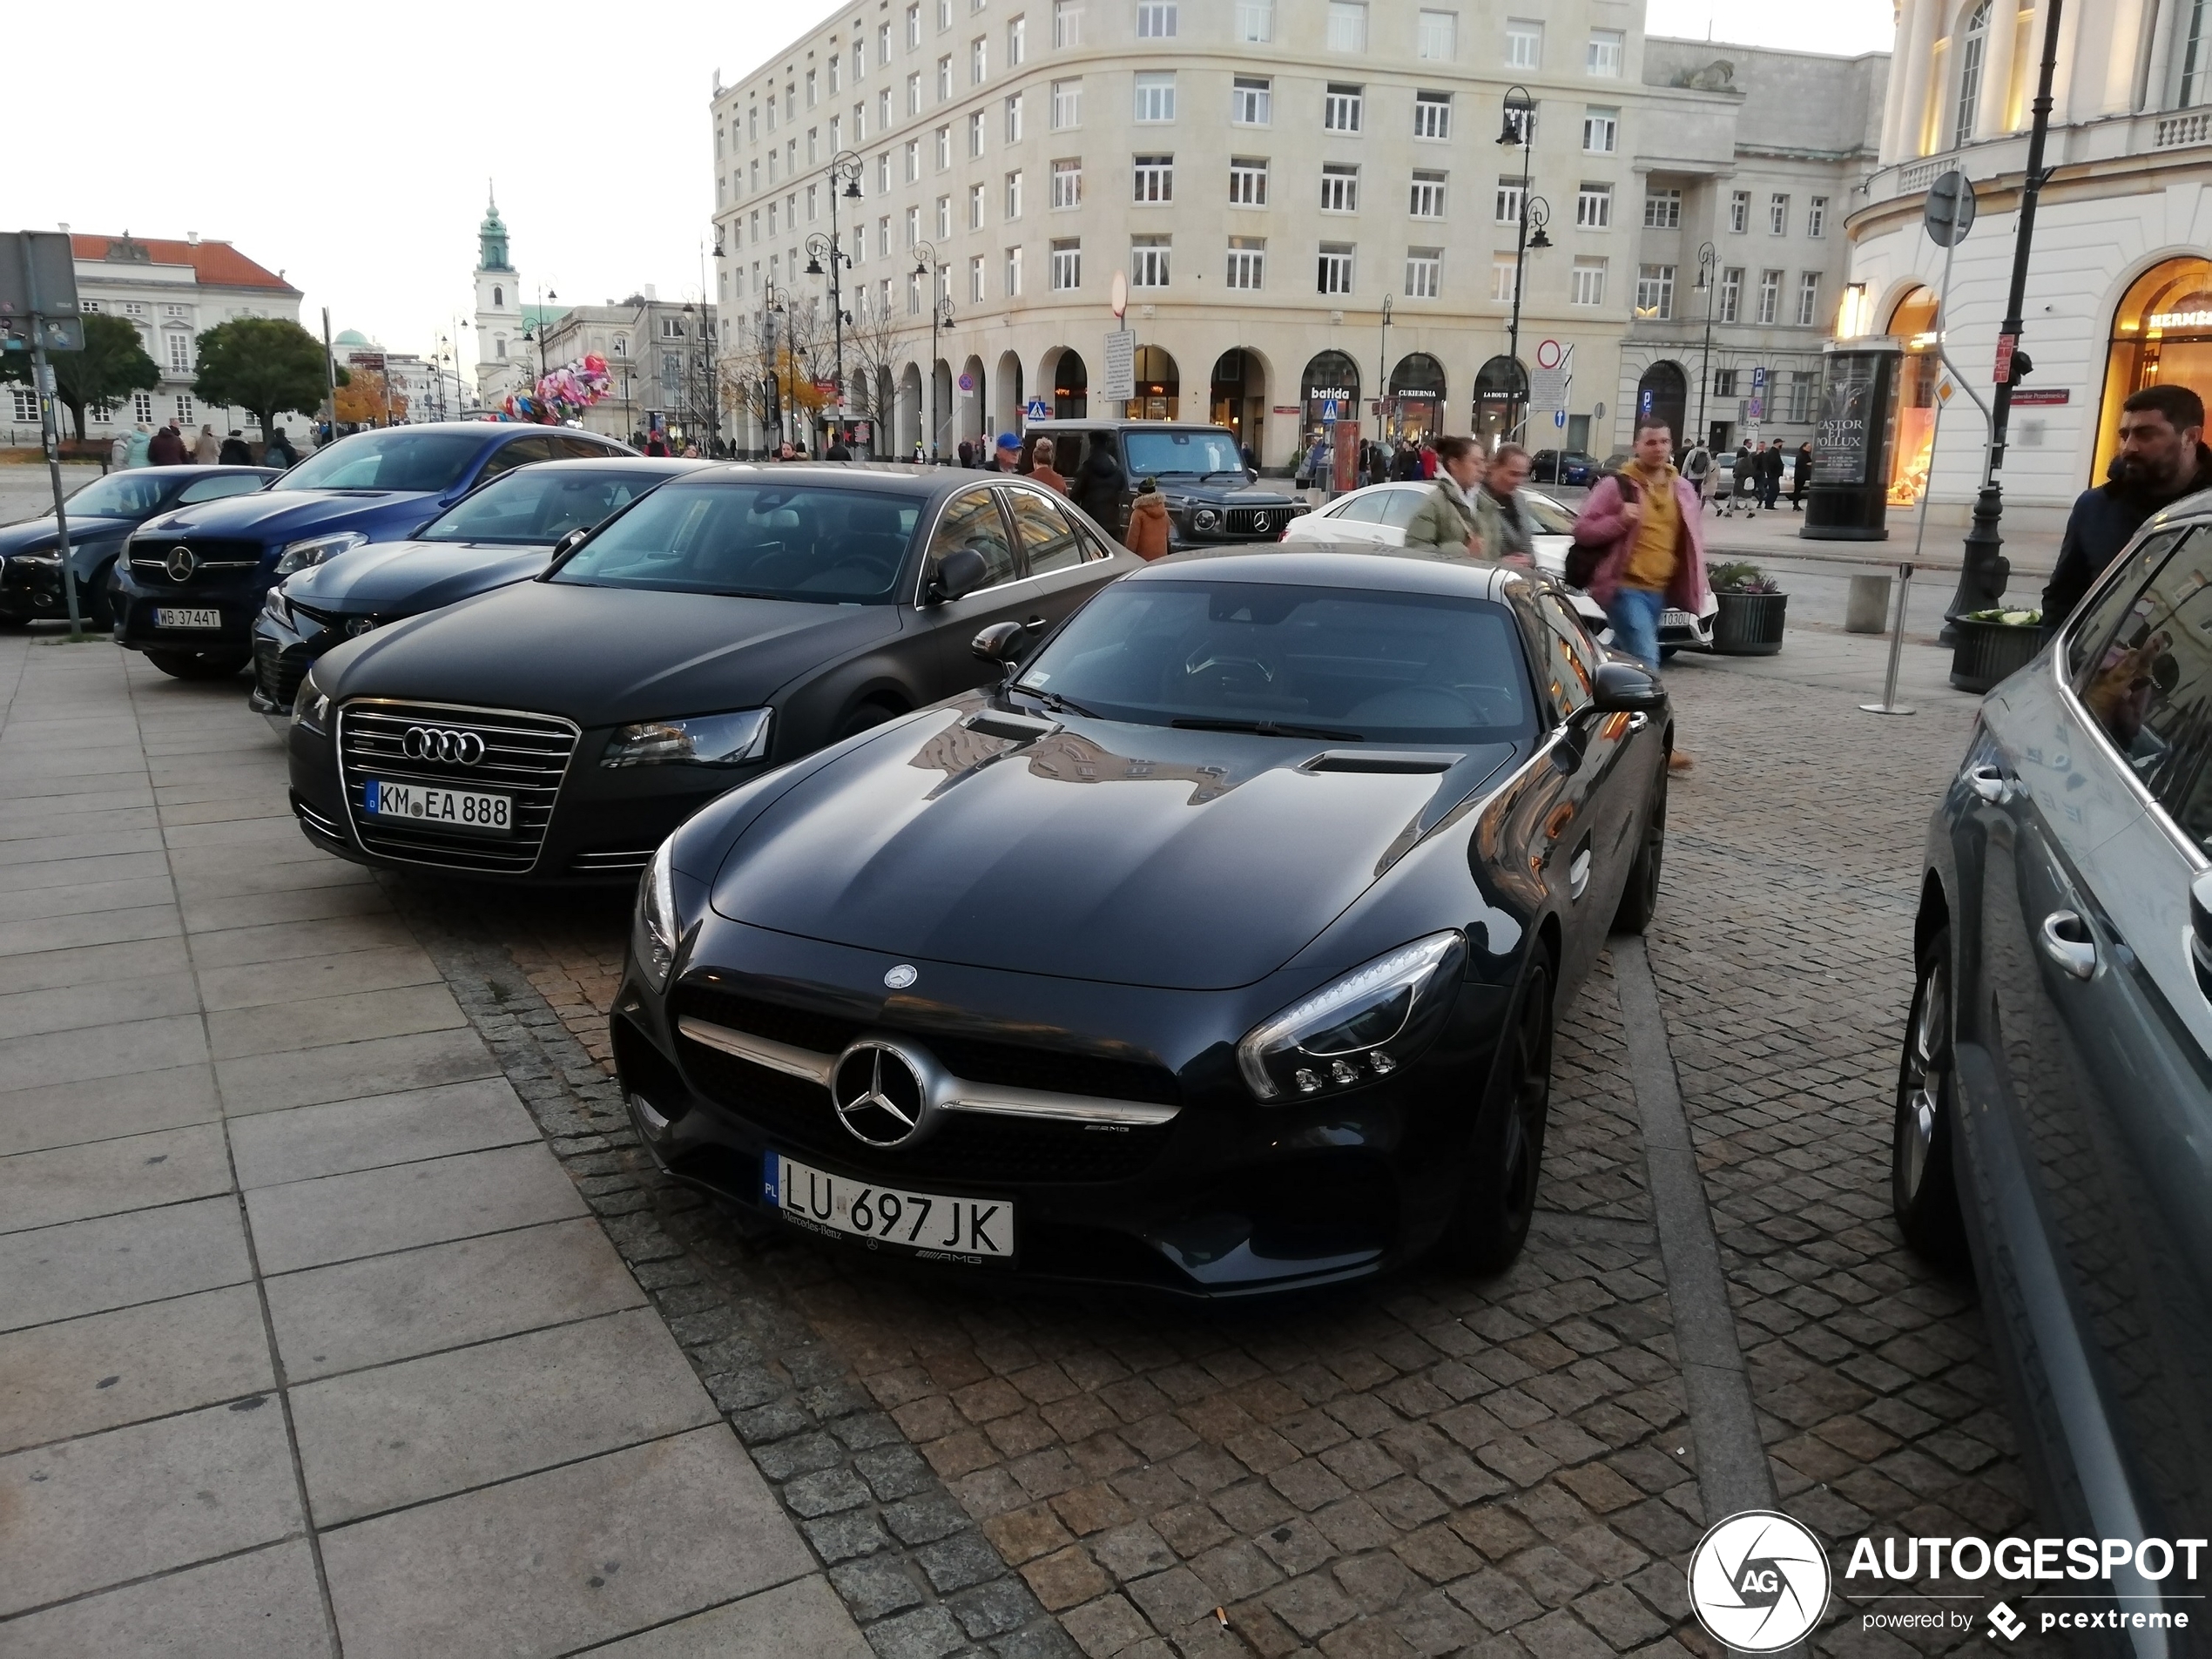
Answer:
x=96 y=599
x=1923 y=1182
x=865 y=718
x=1505 y=1164
x=1640 y=898
x=1667 y=652
x=199 y=664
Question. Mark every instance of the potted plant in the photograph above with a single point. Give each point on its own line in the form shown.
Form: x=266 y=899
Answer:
x=1994 y=645
x=1752 y=602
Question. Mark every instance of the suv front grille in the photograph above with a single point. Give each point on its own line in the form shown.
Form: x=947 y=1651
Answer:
x=214 y=558
x=1256 y=521
x=525 y=757
x=278 y=671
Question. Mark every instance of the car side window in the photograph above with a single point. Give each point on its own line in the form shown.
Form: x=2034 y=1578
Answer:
x=1364 y=510
x=1048 y=540
x=2097 y=623
x=2150 y=688
x=972 y=520
x=1569 y=666
x=1399 y=506
x=234 y=483
x=519 y=452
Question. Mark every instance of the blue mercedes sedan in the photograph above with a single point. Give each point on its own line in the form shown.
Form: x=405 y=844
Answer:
x=193 y=580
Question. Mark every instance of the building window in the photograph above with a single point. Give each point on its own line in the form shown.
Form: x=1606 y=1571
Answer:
x=1014 y=194
x=883 y=109
x=1347 y=25
x=1739 y=212
x=1594 y=207
x=944 y=148
x=1340 y=188
x=1524 y=43
x=1154 y=179
x=1427 y=199
x=1256 y=21
x=179 y=353
x=1247 y=262
x=1066 y=104
x=1068 y=182
x=913 y=27
x=914 y=159
x=1156 y=96
x=1511 y=193
x=1973 y=46
x=1247 y=181
x=1798 y=410
x=1778 y=215
x=1340 y=108
x=836 y=79
x=1769 y=295
x=914 y=225
x=978 y=63
x=1431 y=115
x=1014 y=119
x=1601 y=132
x=1424 y=273
x=142 y=402
x=1155 y=19
x=26 y=404
x=1505 y=274
x=1148 y=261
x=1252 y=100
x=1808 y=299
x=814 y=207
x=1335 y=276
x=1817 y=216
x=1066 y=24
x=914 y=93
x=975 y=279
x=1010 y=272
x=2196 y=55
x=882 y=44
x=184 y=410
x=1732 y=306
x=1068 y=264
x=1588 y=283
x=975 y=208
x=975 y=134
x=1662 y=209
x=944 y=78
x=810 y=89
x=883 y=237
x=1017 y=42
x=1655 y=292
x=944 y=216
x=1438 y=39
x=1606 y=49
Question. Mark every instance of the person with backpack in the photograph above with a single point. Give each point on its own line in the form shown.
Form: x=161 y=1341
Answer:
x=1697 y=467
x=1770 y=476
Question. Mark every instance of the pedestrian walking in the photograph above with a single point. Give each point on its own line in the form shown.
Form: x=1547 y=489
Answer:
x=1516 y=525
x=2162 y=457
x=139 y=446
x=1005 y=454
x=1800 y=476
x=234 y=452
x=167 y=447
x=656 y=442
x=1098 y=483
x=277 y=451
x=1770 y=476
x=118 y=452
x=1405 y=465
x=1743 y=482
x=966 y=453
x=1428 y=462
x=1456 y=516
x=207 y=448
x=837 y=450
x=1148 y=521
x=1041 y=467
x=1320 y=467
x=1697 y=467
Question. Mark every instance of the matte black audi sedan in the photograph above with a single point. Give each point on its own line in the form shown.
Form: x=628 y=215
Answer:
x=556 y=730
x=1215 y=951
x=2053 y=1113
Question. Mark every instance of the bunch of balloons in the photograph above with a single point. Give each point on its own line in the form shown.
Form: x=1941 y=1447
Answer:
x=562 y=394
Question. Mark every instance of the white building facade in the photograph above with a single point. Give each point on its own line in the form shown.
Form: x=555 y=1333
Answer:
x=503 y=361
x=2118 y=287
x=660 y=361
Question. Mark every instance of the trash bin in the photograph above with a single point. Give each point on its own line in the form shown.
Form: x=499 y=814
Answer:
x=1867 y=610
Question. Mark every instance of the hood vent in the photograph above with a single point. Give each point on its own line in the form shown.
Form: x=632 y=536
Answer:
x=1384 y=760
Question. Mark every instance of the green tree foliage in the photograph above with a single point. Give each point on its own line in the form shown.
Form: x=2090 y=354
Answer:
x=264 y=364
x=113 y=364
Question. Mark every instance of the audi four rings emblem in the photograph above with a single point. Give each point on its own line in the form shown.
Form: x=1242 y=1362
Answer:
x=181 y=563
x=447 y=747
x=878 y=1095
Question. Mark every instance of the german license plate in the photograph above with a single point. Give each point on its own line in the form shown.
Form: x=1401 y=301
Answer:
x=921 y=1223
x=468 y=811
x=170 y=617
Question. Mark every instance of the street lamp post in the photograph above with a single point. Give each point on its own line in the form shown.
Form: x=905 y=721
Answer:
x=1520 y=130
x=844 y=173
x=537 y=330
x=1382 y=373
x=1706 y=256
x=772 y=418
x=940 y=313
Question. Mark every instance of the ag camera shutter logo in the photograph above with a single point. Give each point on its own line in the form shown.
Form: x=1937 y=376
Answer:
x=1758 y=1582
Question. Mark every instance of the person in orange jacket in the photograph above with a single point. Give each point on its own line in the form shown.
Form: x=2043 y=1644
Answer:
x=1148 y=521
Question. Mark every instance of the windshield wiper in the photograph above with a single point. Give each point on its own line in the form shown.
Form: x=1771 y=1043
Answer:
x=1057 y=704
x=1223 y=472
x=1268 y=729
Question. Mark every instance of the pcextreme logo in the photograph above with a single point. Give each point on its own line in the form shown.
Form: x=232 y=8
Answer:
x=1758 y=1582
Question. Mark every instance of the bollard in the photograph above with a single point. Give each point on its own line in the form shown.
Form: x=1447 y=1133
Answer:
x=1867 y=610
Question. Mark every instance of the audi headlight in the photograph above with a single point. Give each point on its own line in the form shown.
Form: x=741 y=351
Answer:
x=701 y=739
x=658 y=932
x=1206 y=519
x=298 y=555
x=1362 y=1028
x=279 y=606
x=310 y=705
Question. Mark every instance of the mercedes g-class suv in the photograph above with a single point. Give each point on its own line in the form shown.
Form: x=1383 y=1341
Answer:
x=1212 y=497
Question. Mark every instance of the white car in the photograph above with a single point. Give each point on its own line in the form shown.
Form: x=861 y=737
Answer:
x=1379 y=514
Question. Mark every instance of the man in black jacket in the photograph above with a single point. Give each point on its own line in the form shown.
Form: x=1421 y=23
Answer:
x=2162 y=458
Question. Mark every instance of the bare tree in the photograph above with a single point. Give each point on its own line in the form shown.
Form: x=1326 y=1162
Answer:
x=875 y=340
x=770 y=371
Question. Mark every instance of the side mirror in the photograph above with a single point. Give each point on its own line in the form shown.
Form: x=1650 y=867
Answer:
x=999 y=643
x=958 y=574
x=568 y=544
x=1627 y=688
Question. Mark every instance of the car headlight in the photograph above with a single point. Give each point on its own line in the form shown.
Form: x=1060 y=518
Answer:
x=1360 y=1028
x=298 y=555
x=657 y=933
x=701 y=739
x=278 y=606
x=1206 y=519
x=310 y=705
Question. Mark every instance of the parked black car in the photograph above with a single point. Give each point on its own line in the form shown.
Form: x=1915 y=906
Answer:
x=196 y=577
x=1216 y=951
x=1562 y=466
x=558 y=729
x=2053 y=1113
x=502 y=532
x=1212 y=497
x=102 y=514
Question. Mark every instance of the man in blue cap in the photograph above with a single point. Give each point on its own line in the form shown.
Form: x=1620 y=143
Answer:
x=1008 y=454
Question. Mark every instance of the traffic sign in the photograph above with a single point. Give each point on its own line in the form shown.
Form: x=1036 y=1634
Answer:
x=1948 y=214
x=967 y=382
x=1117 y=296
x=1758 y=377
x=1329 y=412
x=1036 y=410
x=1756 y=410
x=1547 y=354
x=1558 y=417
x=1121 y=367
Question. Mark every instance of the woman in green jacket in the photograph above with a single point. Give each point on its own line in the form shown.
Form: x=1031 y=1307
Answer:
x=1458 y=517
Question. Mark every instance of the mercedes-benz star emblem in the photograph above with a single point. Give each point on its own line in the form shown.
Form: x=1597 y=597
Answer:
x=437 y=743
x=181 y=563
x=359 y=626
x=901 y=976
x=878 y=1095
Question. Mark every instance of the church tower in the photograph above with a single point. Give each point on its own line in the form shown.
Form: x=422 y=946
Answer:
x=501 y=356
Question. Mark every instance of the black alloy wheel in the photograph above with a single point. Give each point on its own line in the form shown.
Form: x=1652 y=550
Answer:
x=1640 y=898
x=1506 y=1161
x=1924 y=1185
x=199 y=664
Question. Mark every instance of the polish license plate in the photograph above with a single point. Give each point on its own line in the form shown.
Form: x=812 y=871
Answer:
x=170 y=617
x=923 y=1223
x=468 y=811
x=1676 y=619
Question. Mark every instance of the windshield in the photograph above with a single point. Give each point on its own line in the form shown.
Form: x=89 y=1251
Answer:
x=537 y=504
x=1155 y=454
x=1413 y=668
x=120 y=494
x=1551 y=518
x=767 y=541
x=393 y=459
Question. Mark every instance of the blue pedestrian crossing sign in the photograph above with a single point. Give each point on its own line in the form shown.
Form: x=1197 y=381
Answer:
x=1037 y=411
x=1329 y=412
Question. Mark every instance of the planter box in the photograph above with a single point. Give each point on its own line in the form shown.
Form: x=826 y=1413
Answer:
x=1990 y=651
x=1749 y=623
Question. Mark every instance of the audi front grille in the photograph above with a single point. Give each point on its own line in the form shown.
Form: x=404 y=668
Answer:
x=524 y=756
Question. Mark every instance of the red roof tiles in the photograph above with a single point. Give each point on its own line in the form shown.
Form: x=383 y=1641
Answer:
x=218 y=264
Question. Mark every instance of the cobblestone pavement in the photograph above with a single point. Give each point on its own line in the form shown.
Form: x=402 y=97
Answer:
x=1425 y=1466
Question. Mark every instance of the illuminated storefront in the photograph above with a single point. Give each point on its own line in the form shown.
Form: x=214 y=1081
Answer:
x=2162 y=335
x=1912 y=325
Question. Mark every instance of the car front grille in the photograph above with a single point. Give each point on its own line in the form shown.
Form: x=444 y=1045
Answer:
x=1257 y=521
x=213 y=558
x=278 y=671
x=612 y=861
x=525 y=757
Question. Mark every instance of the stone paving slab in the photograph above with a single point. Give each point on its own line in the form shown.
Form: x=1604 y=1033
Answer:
x=264 y=1604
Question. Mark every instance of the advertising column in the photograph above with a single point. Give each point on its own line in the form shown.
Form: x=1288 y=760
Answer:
x=1848 y=499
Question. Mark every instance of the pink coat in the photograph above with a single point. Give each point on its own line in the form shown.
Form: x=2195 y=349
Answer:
x=1601 y=521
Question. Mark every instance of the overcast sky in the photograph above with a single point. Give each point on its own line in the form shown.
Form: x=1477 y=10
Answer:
x=350 y=147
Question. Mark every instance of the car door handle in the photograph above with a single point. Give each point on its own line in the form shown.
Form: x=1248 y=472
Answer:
x=1034 y=622
x=1988 y=783
x=1578 y=873
x=2077 y=956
